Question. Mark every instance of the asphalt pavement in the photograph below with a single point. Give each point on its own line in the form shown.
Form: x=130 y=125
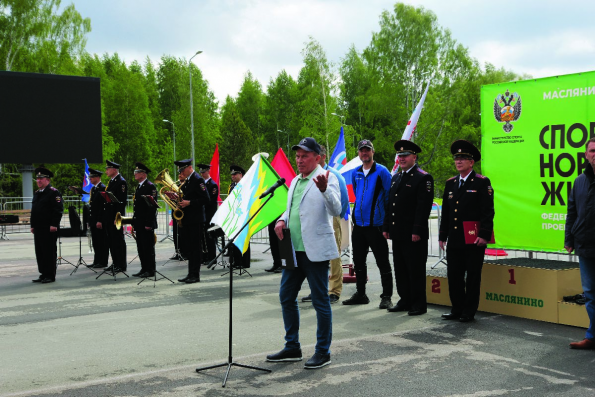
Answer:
x=83 y=336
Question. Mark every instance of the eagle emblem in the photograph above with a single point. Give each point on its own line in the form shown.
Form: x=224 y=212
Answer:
x=507 y=108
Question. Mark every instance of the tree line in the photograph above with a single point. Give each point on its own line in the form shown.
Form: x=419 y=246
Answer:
x=370 y=92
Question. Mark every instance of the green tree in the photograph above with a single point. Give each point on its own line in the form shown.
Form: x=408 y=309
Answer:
x=235 y=138
x=249 y=103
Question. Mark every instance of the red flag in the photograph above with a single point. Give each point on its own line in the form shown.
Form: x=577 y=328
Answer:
x=283 y=167
x=215 y=170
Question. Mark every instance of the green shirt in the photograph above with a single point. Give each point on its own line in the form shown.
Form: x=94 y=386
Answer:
x=295 y=224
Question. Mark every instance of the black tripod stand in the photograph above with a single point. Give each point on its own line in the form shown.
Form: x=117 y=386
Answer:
x=81 y=261
x=59 y=259
x=230 y=361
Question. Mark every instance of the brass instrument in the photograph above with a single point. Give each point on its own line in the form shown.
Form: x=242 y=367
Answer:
x=127 y=220
x=171 y=194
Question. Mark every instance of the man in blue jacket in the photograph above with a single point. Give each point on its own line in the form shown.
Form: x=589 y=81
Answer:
x=371 y=184
x=580 y=228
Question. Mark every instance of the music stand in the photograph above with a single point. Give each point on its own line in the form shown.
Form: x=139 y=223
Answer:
x=79 y=192
x=110 y=198
x=230 y=361
x=216 y=232
x=177 y=252
x=59 y=259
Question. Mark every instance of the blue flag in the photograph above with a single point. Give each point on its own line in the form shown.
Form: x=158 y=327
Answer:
x=339 y=157
x=86 y=184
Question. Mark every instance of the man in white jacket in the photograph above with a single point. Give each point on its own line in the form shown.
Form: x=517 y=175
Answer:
x=313 y=199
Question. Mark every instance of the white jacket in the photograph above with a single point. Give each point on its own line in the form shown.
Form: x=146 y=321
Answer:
x=316 y=216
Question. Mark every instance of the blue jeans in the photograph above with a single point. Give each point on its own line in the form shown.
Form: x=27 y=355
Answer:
x=587 y=266
x=291 y=283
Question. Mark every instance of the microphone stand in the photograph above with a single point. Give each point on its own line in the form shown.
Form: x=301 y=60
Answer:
x=81 y=261
x=230 y=361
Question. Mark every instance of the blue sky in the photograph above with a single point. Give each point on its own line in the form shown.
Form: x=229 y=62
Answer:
x=540 y=38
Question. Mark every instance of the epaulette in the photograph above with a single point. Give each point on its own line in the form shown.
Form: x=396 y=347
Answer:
x=53 y=188
x=450 y=179
x=421 y=171
x=480 y=176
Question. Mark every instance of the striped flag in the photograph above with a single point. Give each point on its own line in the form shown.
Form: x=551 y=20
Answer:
x=408 y=133
x=339 y=157
x=86 y=184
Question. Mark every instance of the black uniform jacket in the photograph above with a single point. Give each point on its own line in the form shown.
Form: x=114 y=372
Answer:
x=96 y=204
x=47 y=208
x=473 y=202
x=409 y=204
x=194 y=190
x=119 y=188
x=145 y=215
x=211 y=208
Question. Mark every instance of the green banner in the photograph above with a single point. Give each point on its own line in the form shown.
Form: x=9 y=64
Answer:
x=533 y=147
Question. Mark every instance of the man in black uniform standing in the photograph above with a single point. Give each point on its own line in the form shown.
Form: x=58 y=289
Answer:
x=237 y=258
x=406 y=224
x=210 y=209
x=144 y=220
x=46 y=212
x=98 y=236
x=194 y=198
x=468 y=197
x=119 y=188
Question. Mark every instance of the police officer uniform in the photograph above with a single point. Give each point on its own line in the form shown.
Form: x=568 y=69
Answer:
x=210 y=210
x=194 y=190
x=237 y=258
x=98 y=236
x=117 y=245
x=409 y=204
x=471 y=199
x=46 y=212
x=145 y=216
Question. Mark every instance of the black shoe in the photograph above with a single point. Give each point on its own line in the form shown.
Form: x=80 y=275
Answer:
x=417 y=312
x=47 y=280
x=119 y=269
x=147 y=274
x=278 y=270
x=318 y=360
x=176 y=257
x=451 y=316
x=98 y=266
x=183 y=280
x=38 y=280
x=286 y=355
x=272 y=269
x=357 y=299
x=307 y=298
x=333 y=298
x=109 y=269
x=192 y=280
x=397 y=308
x=385 y=303
x=463 y=319
x=138 y=274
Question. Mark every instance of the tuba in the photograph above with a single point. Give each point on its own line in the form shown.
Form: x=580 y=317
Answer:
x=122 y=220
x=171 y=194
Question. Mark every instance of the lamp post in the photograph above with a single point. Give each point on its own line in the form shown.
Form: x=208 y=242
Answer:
x=191 y=107
x=287 y=140
x=174 y=134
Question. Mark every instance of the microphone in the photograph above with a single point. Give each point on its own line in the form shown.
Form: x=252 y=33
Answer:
x=270 y=190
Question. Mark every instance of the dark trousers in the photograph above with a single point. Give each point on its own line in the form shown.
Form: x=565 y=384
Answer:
x=464 y=293
x=117 y=246
x=145 y=244
x=363 y=239
x=191 y=246
x=274 y=244
x=237 y=259
x=46 y=251
x=100 y=247
x=409 y=260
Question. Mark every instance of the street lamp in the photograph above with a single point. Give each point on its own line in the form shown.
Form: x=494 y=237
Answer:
x=191 y=107
x=174 y=133
x=287 y=140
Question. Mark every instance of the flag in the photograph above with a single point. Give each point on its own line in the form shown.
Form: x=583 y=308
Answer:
x=283 y=167
x=339 y=157
x=215 y=170
x=243 y=202
x=410 y=128
x=347 y=171
x=86 y=184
